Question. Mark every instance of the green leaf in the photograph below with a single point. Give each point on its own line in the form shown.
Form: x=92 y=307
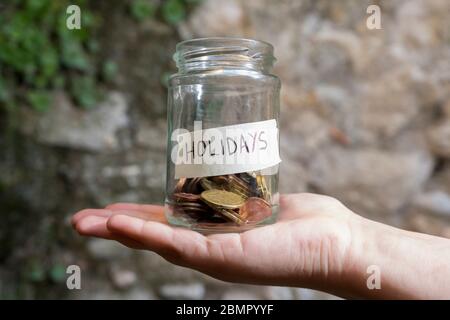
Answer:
x=87 y=20
x=36 y=7
x=109 y=70
x=58 y=81
x=35 y=272
x=194 y=2
x=40 y=81
x=84 y=92
x=58 y=273
x=38 y=53
x=73 y=55
x=142 y=9
x=4 y=92
x=165 y=79
x=49 y=62
x=93 y=45
x=39 y=100
x=173 y=11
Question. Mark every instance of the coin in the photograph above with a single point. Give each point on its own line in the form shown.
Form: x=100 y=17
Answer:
x=180 y=184
x=220 y=179
x=192 y=185
x=233 y=184
x=216 y=218
x=206 y=184
x=209 y=184
x=233 y=216
x=231 y=199
x=194 y=205
x=262 y=186
x=183 y=196
x=222 y=198
x=238 y=182
x=255 y=209
x=193 y=210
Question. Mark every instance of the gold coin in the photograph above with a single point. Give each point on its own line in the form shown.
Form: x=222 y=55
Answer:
x=208 y=184
x=222 y=198
x=262 y=186
x=238 y=182
x=183 y=196
x=239 y=192
x=233 y=216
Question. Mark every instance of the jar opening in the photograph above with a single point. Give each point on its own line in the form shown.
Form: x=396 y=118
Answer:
x=224 y=53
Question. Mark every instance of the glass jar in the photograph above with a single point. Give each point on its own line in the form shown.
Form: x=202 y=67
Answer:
x=223 y=142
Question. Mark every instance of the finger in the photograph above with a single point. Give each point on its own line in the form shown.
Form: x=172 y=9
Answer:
x=157 y=215
x=96 y=226
x=144 y=211
x=142 y=215
x=148 y=208
x=181 y=246
x=90 y=212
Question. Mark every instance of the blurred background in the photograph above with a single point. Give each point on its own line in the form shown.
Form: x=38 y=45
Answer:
x=365 y=117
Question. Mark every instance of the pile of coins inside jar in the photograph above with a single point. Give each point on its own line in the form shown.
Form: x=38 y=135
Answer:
x=242 y=198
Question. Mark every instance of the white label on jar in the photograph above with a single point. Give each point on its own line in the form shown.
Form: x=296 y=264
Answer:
x=225 y=150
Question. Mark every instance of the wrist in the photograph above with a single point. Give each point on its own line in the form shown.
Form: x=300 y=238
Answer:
x=368 y=264
x=408 y=265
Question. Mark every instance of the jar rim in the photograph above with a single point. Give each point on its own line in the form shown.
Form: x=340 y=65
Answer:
x=203 y=42
x=202 y=53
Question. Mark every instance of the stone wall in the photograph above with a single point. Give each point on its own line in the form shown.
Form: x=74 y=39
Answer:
x=365 y=118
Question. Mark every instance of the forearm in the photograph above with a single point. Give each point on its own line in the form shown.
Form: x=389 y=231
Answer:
x=411 y=265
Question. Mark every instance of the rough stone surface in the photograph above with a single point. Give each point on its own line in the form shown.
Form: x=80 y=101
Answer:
x=240 y=294
x=65 y=125
x=308 y=294
x=192 y=291
x=428 y=224
x=439 y=137
x=437 y=202
x=108 y=250
x=123 y=278
x=383 y=189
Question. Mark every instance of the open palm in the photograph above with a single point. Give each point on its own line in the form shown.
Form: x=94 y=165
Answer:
x=309 y=242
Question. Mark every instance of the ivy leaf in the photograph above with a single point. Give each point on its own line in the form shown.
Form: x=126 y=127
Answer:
x=49 y=62
x=109 y=70
x=83 y=91
x=35 y=271
x=173 y=11
x=36 y=7
x=4 y=92
x=58 y=273
x=73 y=55
x=93 y=45
x=39 y=100
x=58 y=81
x=142 y=9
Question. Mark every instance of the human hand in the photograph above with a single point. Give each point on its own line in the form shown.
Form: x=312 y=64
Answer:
x=317 y=243
x=309 y=242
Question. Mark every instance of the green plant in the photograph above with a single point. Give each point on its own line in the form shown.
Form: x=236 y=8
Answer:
x=171 y=11
x=174 y=11
x=142 y=9
x=57 y=273
x=38 y=53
